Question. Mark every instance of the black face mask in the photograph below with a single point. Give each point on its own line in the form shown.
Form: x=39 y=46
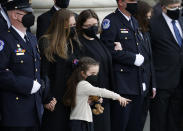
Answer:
x=132 y=8
x=91 y=31
x=62 y=3
x=72 y=32
x=28 y=20
x=174 y=14
x=93 y=80
x=148 y=20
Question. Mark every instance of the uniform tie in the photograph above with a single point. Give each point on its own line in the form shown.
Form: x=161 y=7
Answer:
x=26 y=39
x=131 y=23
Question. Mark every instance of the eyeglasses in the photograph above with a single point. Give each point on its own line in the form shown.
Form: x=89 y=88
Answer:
x=89 y=25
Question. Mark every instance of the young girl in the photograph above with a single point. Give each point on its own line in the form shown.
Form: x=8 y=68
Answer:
x=78 y=91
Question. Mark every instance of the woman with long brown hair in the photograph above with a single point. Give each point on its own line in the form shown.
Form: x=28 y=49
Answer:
x=143 y=17
x=59 y=46
x=88 y=26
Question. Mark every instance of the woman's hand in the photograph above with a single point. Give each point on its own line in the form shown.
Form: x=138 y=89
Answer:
x=123 y=101
x=51 y=106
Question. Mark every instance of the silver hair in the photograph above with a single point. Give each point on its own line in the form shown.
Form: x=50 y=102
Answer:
x=167 y=2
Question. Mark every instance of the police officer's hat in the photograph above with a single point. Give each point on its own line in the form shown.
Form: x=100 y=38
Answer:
x=24 y=5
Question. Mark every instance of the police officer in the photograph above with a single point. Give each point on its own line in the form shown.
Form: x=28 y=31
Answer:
x=4 y=20
x=122 y=27
x=20 y=71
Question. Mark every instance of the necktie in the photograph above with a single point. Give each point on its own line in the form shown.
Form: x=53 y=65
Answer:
x=177 y=33
x=131 y=23
x=26 y=39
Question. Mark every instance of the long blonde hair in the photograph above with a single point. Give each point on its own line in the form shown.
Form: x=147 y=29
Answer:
x=57 y=35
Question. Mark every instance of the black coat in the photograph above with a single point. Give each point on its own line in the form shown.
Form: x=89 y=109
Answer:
x=43 y=22
x=167 y=54
x=157 y=9
x=100 y=53
x=58 y=73
x=149 y=73
x=116 y=28
x=19 y=67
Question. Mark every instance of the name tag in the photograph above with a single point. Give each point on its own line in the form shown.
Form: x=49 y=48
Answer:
x=124 y=32
x=20 y=54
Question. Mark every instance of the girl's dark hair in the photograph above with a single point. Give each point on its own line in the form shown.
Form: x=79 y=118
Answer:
x=83 y=17
x=84 y=64
x=141 y=15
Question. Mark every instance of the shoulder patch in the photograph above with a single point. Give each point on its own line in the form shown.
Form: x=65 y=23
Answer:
x=106 y=24
x=1 y=45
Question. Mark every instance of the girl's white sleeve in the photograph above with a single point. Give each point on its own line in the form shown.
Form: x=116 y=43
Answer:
x=85 y=88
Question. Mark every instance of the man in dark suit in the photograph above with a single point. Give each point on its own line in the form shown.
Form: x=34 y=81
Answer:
x=121 y=26
x=44 y=20
x=157 y=8
x=4 y=20
x=20 y=99
x=166 y=35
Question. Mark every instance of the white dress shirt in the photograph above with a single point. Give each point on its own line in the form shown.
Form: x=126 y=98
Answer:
x=170 y=25
x=127 y=17
x=82 y=110
x=22 y=35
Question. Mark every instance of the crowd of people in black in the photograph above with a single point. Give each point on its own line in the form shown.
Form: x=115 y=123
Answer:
x=63 y=79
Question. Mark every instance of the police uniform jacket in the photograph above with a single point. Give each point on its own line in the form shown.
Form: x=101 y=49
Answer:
x=19 y=67
x=116 y=28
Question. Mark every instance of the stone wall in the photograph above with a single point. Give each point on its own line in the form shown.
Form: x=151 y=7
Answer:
x=102 y=7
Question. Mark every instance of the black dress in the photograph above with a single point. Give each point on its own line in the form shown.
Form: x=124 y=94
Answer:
x=96 y=49
x=58 y=73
